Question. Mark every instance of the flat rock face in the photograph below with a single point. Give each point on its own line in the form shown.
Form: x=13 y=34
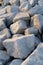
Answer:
x=18 y=27
x=16 y=62
x=36 y=57
x=21 y=47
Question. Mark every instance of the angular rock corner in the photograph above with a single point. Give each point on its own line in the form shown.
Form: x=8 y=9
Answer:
x=21 y=32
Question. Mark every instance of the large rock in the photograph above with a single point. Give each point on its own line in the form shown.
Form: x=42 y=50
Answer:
x=36 y=10
x=36 y=58
x=18 y=27
x=15 y=2
x=25 y=6
x=22 y=16
x=4 y=34
x=2 y=24
x=21 y=47
x=37 y=21
x=16 y=62
x=4 y=56
x=31 y=30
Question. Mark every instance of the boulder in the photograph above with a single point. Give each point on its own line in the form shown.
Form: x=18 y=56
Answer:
x=36 y=58
x=21 y=47
x=18 y=27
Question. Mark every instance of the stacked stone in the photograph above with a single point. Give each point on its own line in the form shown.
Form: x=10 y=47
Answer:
x=21 y=32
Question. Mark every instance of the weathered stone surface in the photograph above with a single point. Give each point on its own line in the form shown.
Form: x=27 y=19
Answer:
x=4 y=56
x=2 y=24
x=31 y=30
x=36 y=10
x=37 y=21
x=12 y=8
x=4 y=34
x=16 y=62
x=40 y=2
x=21 y=47
x=33 y=2
x=18 y=27
x=5 y=2
x=36 y=58
x=22 y=1
x=22 y=16
x=15 y=2
x=25 y=6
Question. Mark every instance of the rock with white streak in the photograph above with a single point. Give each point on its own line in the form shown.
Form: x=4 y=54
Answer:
x=4 y=34
x=36 y=58
x=18 y=27
x=40 y=2
x=21 y=47
x=37 y=21
x=16 y=62
x=22 y=16
x=22 y=1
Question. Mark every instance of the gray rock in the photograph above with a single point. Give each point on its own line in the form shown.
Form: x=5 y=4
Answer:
x=36 y=58
x=22 y=1
x=33 y=2
x=22 y=16
x=2 y=24
x=25 y=6
x=31 y=30
x=37 y=21
x=5 y=2
x=15 y=2
x=40 y=2
x=21 y=47
x=4 y=56
x=16 y=62
x=18 y=27
x=4 y=34
x=12 y=8
x=36 y=10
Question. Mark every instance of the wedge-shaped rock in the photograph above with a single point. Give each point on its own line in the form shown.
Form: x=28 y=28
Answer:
x=36 y=58
x=18 y=27
x=15 y=2
x=2 y=24
x=37 y=21
x=4 y=56
x=36 y=10
x=4 y=34
x=16 y=62
x=21 y=47
x=22 y=16
x=31 y=30
x=25 y=6
x=33 y=2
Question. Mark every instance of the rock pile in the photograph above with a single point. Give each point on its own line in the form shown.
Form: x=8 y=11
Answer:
x=21 y=32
